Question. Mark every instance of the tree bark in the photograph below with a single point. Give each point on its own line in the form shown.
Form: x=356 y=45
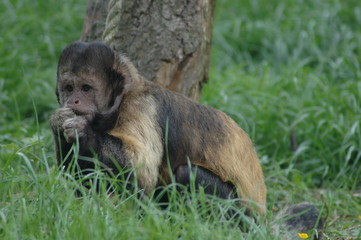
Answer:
x=167 y=40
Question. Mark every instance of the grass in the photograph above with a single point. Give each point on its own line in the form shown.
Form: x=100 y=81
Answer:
x=279 y=68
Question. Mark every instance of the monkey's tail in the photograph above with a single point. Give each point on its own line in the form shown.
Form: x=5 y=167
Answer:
x=299 y=221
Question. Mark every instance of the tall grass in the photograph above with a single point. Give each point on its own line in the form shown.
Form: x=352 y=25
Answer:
x=282 y=69
x=293 y=68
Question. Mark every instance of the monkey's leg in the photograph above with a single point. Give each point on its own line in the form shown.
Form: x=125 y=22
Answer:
x=211 y=183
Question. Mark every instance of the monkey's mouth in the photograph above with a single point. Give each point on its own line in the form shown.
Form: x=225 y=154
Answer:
x=87 y=114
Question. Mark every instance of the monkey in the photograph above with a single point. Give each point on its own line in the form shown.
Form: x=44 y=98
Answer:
x=124 y=120
x=117 y=114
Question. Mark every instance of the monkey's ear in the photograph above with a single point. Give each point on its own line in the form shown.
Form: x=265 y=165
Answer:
x=125 y=71
x=120 y=79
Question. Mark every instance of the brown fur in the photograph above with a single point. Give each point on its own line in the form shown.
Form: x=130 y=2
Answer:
x=138 y=130
x=233 y=159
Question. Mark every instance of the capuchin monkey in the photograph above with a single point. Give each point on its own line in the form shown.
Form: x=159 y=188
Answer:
x=128 y=122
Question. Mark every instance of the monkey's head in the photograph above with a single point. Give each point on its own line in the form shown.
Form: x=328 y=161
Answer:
x=90 y=79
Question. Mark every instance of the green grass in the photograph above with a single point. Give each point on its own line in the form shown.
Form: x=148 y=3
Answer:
x=279 y=68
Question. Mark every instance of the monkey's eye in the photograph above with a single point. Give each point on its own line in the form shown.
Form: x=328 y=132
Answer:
x=86 y=88
x=69 y=88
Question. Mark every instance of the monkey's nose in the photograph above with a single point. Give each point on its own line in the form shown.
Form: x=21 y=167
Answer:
x=76 y=101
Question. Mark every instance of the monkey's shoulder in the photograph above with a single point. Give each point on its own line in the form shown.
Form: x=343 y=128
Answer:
x=172 y=102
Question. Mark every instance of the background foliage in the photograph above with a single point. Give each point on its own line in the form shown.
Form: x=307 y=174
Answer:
x=281 y=69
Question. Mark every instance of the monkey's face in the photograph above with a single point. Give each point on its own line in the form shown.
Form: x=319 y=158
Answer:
x=84 y=93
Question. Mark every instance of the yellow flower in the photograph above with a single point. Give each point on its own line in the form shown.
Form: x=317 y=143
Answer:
x=359 y=217
x=303 y=235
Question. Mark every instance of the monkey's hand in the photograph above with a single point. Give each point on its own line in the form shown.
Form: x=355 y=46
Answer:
x=76 y=127
x=59 y=117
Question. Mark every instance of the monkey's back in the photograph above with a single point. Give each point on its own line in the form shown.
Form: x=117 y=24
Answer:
x=210 y=139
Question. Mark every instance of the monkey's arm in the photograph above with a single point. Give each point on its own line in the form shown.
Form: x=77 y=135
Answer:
x=109 y=151
x=69 y=129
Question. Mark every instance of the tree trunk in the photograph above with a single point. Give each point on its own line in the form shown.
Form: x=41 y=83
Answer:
x=167 y=40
